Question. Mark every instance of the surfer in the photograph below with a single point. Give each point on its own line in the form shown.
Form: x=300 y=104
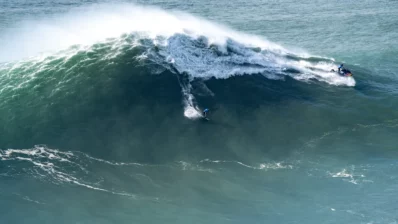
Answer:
x=205 y=112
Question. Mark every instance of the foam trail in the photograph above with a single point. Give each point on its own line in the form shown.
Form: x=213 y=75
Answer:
x=262 y=166
x=348 y=175
x=49 y=164
x=192 y=167
x=320 y=71
x=191 y=110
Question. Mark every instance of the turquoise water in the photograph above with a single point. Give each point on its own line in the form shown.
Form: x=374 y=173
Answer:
x=100 y=112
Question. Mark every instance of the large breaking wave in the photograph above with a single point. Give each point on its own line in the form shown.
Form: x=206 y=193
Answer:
x=188 y=46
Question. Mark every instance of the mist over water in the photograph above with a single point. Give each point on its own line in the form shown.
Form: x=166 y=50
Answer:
x=101 y=112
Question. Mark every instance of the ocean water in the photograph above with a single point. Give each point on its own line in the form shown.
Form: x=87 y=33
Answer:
x=100 y=111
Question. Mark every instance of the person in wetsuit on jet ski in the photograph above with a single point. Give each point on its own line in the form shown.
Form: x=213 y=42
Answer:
x=343 y=71
x=340 y=67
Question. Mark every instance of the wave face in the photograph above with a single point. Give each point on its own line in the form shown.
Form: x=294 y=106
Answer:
x=101 y=113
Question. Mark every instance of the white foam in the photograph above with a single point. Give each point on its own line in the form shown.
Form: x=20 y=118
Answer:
x=192 y=167
x=349 y=176
x=342 y=173
x=45 y=166
x=262 y=166
x=112 y=163
x=28 y=199
x=191 y=110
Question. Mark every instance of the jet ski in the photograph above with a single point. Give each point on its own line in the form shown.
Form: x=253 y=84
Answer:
x=345 y=72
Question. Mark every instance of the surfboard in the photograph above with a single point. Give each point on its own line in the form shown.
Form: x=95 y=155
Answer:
x=205 y=118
